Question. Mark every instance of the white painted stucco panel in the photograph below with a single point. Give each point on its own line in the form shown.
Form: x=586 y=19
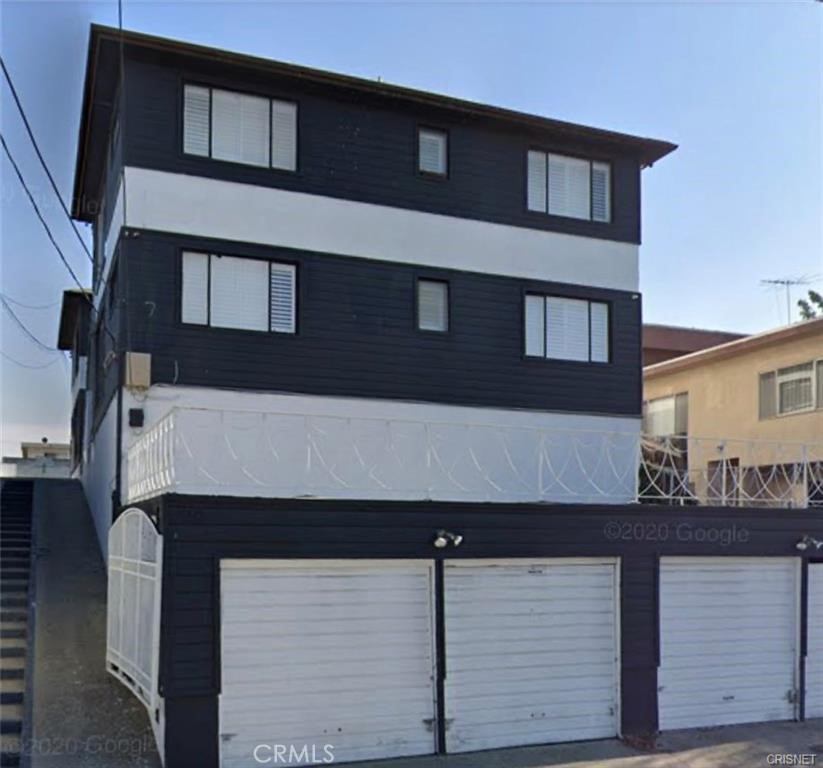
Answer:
x=204 y=207
x=203 y=441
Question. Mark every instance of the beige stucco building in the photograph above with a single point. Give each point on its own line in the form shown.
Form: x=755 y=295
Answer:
x=741 y=421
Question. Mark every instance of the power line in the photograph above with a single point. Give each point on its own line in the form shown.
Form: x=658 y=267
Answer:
x=50 y=235
x=27 y=365
x=23 y=327
x=37 y=211
x=43 y=160
x=29 y=306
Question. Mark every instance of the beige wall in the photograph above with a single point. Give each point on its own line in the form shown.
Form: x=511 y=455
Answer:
x=723 y=394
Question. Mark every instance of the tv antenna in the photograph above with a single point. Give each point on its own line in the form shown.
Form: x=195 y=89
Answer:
x=787 y=283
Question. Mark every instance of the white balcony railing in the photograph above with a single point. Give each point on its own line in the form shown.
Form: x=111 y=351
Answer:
x=285 y=455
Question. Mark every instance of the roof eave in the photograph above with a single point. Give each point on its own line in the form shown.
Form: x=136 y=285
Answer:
x=647 y=151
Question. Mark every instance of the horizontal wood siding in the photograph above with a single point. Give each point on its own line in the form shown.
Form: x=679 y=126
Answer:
x=357 y=336
x=639 y=642
x=198 y=531
x=364 y=147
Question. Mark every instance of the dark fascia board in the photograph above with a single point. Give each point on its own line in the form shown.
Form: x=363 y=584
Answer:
x=74 y=302
x=647 y=151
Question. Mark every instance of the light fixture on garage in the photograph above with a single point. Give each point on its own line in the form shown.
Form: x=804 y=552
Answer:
x=808 y=541
x=444 y=538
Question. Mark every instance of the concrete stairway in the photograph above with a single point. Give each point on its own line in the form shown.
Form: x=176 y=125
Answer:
x=15 y=561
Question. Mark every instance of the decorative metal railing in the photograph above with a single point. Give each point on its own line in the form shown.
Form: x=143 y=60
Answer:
x=239 y=453
x=724 y=472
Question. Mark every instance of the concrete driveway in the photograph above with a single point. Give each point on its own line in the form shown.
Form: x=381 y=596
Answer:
x=747 y=746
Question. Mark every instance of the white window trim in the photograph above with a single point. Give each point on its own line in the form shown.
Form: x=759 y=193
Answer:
x=210 y=138
x=778 y=379
x=545 y=356
x=288 y=266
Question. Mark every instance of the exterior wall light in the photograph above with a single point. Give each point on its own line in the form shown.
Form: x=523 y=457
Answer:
x=444 y=538
x=806 y=542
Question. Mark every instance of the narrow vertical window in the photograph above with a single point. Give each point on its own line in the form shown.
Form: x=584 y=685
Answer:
x=284 y=135
x=768 y=395
x=432 y=152
x=599 y=329
x=536 y=181
x=601 y=192
x=432 y=305
x=535 y=320
x=196 y=120
x=195 y=300
x=283 y=279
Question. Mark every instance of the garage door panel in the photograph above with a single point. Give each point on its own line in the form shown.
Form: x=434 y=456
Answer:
x=728 y=640
x=518 y=669
x=365 y=684
x=814 y=651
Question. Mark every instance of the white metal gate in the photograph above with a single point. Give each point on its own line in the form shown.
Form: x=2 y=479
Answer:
x=729 y=632
x=133 y=636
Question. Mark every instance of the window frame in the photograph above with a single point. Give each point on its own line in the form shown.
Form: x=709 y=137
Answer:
x=295 y=265
x=429 y=279
x=544 y=358
x=210 y=86
x=591 y=160
x=433 y=175
x=815 y=363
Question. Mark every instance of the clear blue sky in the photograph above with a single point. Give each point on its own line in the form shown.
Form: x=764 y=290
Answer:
x=739 y=86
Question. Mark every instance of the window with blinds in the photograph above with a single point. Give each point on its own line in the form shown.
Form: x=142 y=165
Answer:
x=568 y=186
x=667 y=416
x=432 y=152
x=432 y=305
x=239 y=127
x=793 y=389
x=231 y=292
x=560 y=328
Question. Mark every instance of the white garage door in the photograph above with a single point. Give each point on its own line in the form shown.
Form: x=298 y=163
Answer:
x=531 y=652
x=728 y=640
x=814 y=658
x=318 y=653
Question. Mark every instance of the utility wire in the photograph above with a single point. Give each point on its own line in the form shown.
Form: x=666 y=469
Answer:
x=27 y=365
x=29 y=306
x=23 y=327
x=57 y=248
x=37 y=211
x=42 y=159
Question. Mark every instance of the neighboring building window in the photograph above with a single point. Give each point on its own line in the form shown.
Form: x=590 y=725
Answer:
x=791 y=390
x=238 y=127
x=567 y=329
x=667 y=416
x=568 y=186
x=231 y=292
x=432 y=152
x=432 y=305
